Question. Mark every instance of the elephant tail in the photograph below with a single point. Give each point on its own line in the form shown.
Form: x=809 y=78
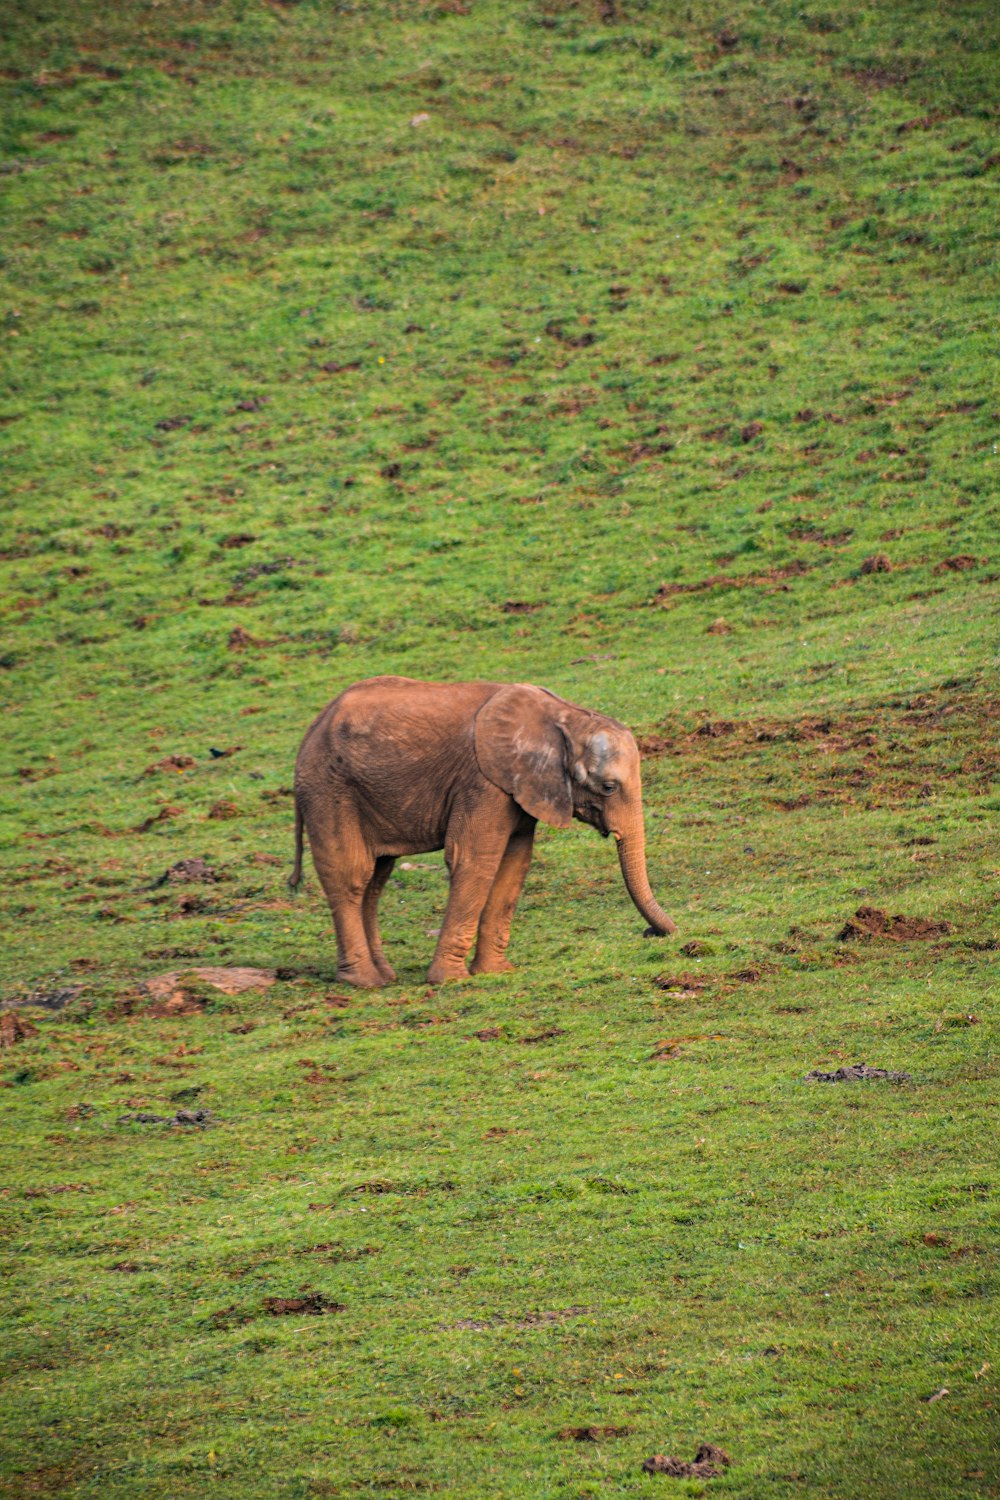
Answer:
x=295 y=878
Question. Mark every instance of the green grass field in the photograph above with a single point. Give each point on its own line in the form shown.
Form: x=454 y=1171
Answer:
x=643 y=351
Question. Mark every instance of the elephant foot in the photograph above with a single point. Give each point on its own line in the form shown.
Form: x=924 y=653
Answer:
x=443 y=973
x=363 y=978
x=386 y=970
x=494 y=965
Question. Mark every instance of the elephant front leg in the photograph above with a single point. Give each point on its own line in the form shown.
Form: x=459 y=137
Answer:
x=473 y=870
x=494 y=924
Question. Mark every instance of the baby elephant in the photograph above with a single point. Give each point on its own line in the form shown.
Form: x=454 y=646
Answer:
x=395 y=766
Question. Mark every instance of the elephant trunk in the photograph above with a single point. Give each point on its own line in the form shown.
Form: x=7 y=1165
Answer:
x=632 y=857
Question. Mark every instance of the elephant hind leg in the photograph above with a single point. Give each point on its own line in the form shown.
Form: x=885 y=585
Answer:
x=345 y=869
x=369 y=912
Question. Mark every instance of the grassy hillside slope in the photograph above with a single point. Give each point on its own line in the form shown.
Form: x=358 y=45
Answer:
x=639 y=350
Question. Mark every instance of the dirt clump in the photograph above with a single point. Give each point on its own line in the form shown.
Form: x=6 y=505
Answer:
x=223 y=809
x=719 y=627
x=709 y=1462
x=872 y=922
x=858 y=1073
x=199 y=1117
x=171 y=763
x=877 y=563
x=50 y=999
x=592 y=1434
x=959 y=564
x=185 y=870
x=773 y=577
x=240 y=639
x=697 y=949
x=311 y=1304
x=163 y=816
x=681 y=986
x=14 y=1029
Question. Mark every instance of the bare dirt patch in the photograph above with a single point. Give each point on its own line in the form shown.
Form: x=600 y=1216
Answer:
x=223 y=809
x=872 y=922
x=182 y=993
x=709 y=1462
x=310 y=1305
x=592 y=1434
x=171 y=763
x=162 y=816
x=14 y=1029
x=908 y=749
x=184 y=1117
x=773 y=577
x=858 y=1073
x=187 y=870
x=684 y=986
x=54 y=1000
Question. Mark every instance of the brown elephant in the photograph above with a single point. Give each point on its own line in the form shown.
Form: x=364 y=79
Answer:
x=394 y=766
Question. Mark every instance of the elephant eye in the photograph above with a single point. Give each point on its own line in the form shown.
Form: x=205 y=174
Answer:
x=609 y=786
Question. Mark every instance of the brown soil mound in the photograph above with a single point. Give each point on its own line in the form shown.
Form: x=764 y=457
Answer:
x=313 y=1304
x=14 y=1029
x=709 y=1463
x=872 y=922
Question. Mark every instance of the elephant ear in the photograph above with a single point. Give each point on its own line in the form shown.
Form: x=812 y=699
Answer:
x=522 y=748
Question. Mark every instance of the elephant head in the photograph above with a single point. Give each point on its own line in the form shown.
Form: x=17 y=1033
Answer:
x=560 y=762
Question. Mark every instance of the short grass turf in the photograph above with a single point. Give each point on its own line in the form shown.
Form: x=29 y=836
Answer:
x=638 y=350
